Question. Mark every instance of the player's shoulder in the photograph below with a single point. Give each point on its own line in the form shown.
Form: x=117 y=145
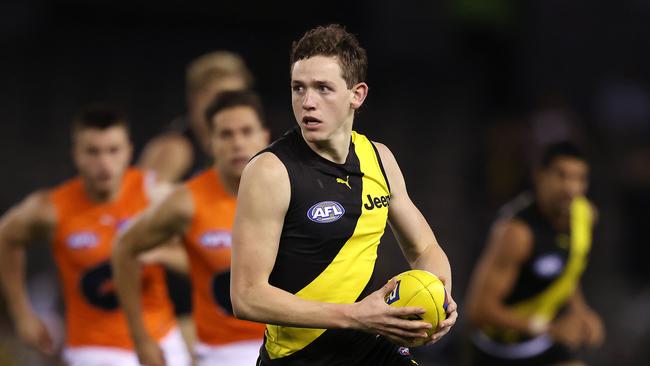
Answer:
x=267 y=166
x=513 y=237
x=37 y=208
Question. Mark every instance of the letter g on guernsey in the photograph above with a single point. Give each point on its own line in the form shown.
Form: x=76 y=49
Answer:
x=325 y=212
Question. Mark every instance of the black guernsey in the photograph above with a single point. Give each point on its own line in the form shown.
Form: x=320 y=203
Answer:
x=328 y=249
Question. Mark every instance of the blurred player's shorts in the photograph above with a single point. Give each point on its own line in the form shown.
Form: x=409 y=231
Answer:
x=172 y=345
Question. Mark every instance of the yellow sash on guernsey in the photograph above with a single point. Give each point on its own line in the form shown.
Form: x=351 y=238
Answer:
x=345 y=278
x=546 y=304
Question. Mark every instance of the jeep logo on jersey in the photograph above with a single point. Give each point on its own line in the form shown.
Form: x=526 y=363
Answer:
x=378 y=202
x=216 y=239
x=325 y=212
x=82 y=240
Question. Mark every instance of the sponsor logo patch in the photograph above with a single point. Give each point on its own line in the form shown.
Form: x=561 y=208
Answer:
x=549 y=265
x=325 y=212
x=82 y=240
x=216 y=239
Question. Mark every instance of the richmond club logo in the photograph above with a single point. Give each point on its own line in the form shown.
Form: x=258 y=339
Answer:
x=325 y=212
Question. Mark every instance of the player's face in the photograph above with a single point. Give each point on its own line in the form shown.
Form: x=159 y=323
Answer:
x=563 y=180
x=237 y=135
x=102 y=156
x=201 y=99
x=323 y=105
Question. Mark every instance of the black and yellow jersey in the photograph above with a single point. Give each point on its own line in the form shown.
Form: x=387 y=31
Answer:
x=552 y=272
x=328 y=246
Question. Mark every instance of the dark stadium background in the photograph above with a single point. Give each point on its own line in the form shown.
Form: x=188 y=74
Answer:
x=464 y=92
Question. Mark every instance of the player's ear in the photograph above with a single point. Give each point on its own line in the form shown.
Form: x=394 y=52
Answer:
x=359 y=94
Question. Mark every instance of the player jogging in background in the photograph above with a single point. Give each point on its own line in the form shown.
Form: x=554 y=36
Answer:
x=81 y=217
x=524 y=300
x=311 y=211
x=185 y=149
x=202 y=211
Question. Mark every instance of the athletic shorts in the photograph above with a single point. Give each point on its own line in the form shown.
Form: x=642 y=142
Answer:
x=539 y=351
x=242 y=353
x=380 y=352
x=172 y=346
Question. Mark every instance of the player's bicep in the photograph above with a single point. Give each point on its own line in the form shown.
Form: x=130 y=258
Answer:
x=508 y=247
x=33 y=219
x=262 y=203
x=160 y=223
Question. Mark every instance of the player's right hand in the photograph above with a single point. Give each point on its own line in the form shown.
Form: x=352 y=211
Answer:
x=149 y=352
x=372 y=314
x=32 y=331
x=568 y=330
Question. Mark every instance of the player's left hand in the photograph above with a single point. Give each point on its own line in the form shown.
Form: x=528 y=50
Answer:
x=593 y=328
x=445 y=326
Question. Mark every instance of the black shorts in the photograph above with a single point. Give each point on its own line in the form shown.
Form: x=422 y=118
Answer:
x=379 y=352
x=555 y=354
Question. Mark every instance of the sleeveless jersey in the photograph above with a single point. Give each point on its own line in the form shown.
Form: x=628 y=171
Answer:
x=208 y=243
x=552 y=272
x=328 y=246
x=82 y=246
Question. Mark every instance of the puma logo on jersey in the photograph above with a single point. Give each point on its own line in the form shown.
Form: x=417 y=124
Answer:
x=344 y=182
x=378 y=202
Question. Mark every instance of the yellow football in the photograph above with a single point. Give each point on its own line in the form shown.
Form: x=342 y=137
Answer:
x=421 y=289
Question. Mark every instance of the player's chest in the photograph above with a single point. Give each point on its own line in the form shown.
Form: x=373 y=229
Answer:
x=210 y=237
x=87 y=238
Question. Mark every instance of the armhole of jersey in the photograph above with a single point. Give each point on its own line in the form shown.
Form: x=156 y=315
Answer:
x=381 y=165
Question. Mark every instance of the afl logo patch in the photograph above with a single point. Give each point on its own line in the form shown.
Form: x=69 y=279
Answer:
x=82 y=240
x=216 y=239
x=550 y=265
x=325 y=212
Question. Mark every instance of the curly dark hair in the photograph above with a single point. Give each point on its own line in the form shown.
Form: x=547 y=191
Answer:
x=333 y=40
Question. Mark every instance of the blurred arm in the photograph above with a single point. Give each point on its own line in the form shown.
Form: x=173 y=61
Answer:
x=509 y=246
x=153 y=228
x=169 y=156
x=31 y=220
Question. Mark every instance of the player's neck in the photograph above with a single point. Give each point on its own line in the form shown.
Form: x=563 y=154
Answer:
x=99 y=197
x=230 y=183
x=335 y=148
x=557 y=219
x=200 y=133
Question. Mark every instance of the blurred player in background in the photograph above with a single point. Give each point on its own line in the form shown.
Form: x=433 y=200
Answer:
x=202 y=212
x=311 y=211
x=81 y=218
x=524 y=300
x=185 y=148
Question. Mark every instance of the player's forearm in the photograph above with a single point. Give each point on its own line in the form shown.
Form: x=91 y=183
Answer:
x=271 y=305
x=126 y=275
x=12 y=276
x=434 y=260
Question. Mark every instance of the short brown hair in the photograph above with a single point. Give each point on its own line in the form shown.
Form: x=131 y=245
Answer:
x=333 y=40
x=98 y=116
x=214 y=66
x=233 y=99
